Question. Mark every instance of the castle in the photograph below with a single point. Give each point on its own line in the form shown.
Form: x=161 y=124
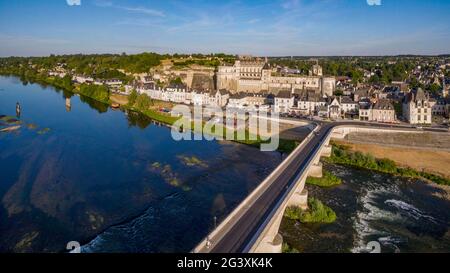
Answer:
x=256 y=76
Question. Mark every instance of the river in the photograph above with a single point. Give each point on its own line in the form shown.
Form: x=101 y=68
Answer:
x=116 y=182
x=400 y=214
x=111 y=180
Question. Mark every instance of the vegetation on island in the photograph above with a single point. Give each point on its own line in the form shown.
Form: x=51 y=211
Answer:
x=286 y=248
x=317 y=212
x=341 y=154
x=327 y=180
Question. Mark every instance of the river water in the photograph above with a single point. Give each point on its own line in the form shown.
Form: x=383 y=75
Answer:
x=116 y=182
x=399 y=214
x=113 y=181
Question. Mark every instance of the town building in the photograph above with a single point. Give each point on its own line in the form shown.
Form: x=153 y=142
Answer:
x=309 y=104
x=283 y=102
x=257 y=76
x=416 y=107
x=381 y=111
x=348 y=106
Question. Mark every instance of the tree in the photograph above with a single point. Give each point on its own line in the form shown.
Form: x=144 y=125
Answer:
x=132 y=97
x=143 y=102
x=434 y=88
x=177 y=81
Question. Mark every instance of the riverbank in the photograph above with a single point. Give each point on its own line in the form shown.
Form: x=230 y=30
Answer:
x=342 y=154
x=142 y=106
x=431 y=160
x=95 y=169
x=402 y=214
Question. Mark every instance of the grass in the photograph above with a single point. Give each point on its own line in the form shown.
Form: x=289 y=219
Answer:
x=341 y=154
x=286 y=248
x=327 y=180
x=285 y=146
x=317 y=213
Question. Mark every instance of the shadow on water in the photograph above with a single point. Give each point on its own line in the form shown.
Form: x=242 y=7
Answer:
x=94 y=173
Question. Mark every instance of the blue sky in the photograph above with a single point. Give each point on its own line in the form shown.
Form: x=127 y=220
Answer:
x=257 y=27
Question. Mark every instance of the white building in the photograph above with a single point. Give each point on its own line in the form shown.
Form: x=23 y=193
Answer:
x=310 y=104
x=113 y=82
x=348 y=106
x=334 y=109
x=417 y=108
x=283 y=102
x=82 y=79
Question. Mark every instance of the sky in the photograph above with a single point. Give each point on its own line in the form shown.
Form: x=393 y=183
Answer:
x=255 y=27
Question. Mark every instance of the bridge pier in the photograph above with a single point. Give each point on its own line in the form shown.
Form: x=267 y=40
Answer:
x=315 y=170
x=299 y=199
x=270 y=245
x=326 y=150
x=273 y=241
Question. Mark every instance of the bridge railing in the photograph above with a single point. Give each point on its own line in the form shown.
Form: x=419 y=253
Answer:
x=217 y=234
x=279 y=208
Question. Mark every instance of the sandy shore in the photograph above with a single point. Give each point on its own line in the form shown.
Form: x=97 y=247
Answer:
x=432 y=161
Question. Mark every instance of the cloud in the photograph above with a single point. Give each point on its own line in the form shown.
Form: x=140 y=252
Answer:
x=142 y=10
x=147 y=11
x=73 y=2
x=374 y=2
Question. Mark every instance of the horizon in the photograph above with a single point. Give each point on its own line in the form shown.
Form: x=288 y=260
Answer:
x=236 y=55
x=259 y=28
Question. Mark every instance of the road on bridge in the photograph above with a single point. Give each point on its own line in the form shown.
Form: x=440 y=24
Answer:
x=236 y=235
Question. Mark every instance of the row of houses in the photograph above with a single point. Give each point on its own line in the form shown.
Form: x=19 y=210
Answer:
x=219 y=97
x=416 y=106
x=88 y=80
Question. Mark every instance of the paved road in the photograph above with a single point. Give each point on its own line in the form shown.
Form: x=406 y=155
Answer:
x=239 y=233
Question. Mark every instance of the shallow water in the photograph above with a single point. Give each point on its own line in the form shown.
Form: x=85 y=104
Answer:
x=70 y=174
x=402 y=215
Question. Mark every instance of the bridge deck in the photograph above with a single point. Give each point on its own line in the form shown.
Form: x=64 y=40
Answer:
x=236 y=234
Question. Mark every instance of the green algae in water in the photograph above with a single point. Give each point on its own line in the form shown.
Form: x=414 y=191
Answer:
x=192 y=161
x=43 y=131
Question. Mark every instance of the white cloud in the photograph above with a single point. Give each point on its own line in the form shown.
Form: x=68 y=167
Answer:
x=73 y=2
x=374 y=2
x=144 y=11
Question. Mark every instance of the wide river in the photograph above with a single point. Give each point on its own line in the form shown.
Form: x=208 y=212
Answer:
x=116 y=182
x=113 y=181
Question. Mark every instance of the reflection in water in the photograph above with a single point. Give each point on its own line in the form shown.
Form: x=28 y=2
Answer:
x=95 y=104
x=90 y=172
x=403 y=215
x=68 y=105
